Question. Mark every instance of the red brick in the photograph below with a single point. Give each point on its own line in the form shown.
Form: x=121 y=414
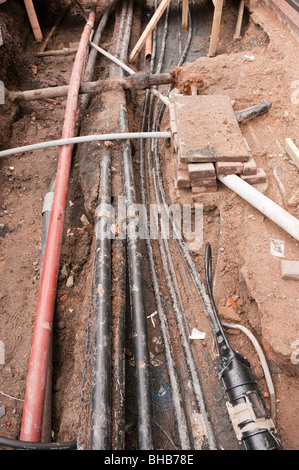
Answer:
x=259 y=177
x=181 y=165
x=182 y=179
x=249 y=167
x=229 y=168
x=199 y=171
x=204 y=182
x=204 y=189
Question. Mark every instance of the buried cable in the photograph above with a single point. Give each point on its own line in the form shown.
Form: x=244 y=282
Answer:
x=135 y=269
x=253 y=426
x=101 y=386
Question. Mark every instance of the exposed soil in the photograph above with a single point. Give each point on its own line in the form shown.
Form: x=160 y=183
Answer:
x=261 y=66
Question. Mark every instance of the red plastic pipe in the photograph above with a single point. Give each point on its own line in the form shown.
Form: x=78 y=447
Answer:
x=40 y=350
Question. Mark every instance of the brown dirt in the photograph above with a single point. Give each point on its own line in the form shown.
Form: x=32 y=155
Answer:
x=245 y=272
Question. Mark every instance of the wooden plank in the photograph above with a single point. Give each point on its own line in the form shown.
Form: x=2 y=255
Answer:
x=207 y=129
x=185 y=13
x=239 y=20
x=56 y=24
x=33 y=20
x=292 y=151
x=215 y=27
x=148 y=30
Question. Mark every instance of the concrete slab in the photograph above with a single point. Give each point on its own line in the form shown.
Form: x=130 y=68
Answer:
x=288 y=12
x=207 y=129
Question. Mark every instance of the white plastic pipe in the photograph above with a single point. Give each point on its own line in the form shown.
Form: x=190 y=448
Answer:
x=86 y=138
x=266 y=206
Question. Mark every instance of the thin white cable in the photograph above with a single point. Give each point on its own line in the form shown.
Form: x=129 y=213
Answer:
x=86 y=138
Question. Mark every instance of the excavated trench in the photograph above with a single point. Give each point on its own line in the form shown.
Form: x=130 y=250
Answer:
x=227 y=226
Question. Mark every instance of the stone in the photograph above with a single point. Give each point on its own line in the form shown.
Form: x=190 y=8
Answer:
x=290 y=270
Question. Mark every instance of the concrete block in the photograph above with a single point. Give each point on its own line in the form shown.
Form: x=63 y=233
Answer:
x=229 y=168
x=290 y=270
x=259 y=177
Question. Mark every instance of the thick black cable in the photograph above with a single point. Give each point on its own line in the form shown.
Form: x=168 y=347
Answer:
x=142 y=359
x=83 y=104
x=135 y=265
x=186 y=255
x=27 y=445
x=219 y=335
x=171 y=366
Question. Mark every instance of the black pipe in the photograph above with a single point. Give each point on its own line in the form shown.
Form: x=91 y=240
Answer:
x=101 y=424
x=101 y=386
x=191 y=365
x=253 y=111
x=27 y=445
x=135 y=268
x=93 y=54
x=142 y=360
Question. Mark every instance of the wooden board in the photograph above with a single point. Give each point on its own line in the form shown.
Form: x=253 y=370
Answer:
x=149 y=29
x=207 y=129
x=292 y=151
